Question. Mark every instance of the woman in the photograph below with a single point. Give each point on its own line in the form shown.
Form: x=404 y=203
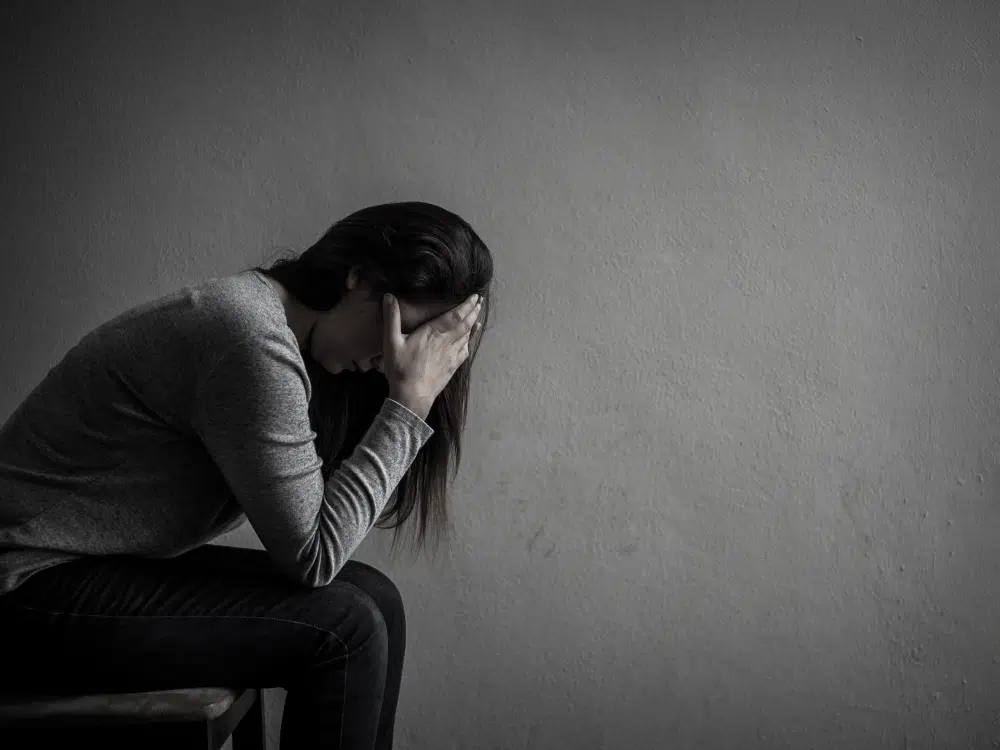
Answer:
x=288 y=396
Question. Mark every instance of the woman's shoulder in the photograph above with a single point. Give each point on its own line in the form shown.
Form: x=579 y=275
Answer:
x=194 y=325
x=243 y=309
x=224 y=307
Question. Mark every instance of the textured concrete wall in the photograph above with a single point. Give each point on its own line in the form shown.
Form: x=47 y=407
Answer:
x=732 y=465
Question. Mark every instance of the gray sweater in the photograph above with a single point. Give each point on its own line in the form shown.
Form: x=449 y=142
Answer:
x=175 y=422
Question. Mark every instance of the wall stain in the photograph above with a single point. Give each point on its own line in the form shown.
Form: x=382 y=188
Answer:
x=531 y=542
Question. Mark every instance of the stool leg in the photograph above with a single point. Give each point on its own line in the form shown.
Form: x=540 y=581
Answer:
x=250 y=733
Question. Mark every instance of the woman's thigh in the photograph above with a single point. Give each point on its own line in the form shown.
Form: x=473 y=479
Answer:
x=213 y=616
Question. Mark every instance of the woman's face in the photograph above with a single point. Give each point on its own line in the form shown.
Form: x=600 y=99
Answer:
x=352 y=332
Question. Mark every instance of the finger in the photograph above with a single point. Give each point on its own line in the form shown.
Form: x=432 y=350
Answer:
x=460 y=327
x=392 y=324
x=464 y=328
x=454 y=317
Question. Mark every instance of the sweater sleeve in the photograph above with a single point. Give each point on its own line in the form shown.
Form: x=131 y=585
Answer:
x=252 y=414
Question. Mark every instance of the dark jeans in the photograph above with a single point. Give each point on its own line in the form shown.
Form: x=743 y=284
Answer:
x=215 y=616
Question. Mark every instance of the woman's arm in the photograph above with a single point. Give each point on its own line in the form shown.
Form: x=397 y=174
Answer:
x=252 y=415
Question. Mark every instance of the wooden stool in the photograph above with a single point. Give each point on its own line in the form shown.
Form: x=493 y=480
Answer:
x=192 y=718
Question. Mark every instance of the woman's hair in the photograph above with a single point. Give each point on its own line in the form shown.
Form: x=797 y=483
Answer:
x=421 y=253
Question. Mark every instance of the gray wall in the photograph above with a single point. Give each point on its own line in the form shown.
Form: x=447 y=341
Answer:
x=732 y=459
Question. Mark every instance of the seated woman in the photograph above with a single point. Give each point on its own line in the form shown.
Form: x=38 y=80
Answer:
x=289 y=396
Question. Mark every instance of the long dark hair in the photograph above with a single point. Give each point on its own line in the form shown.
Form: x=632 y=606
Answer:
x=423 y=254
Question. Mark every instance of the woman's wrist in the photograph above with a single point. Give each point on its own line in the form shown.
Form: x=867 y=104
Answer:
x=411 y=402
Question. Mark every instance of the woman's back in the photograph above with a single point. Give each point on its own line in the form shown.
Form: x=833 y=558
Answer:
x=102 y=457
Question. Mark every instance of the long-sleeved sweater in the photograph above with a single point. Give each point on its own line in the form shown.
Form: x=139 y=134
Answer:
x=175 y=422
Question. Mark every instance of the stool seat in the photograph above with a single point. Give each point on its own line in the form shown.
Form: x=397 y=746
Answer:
x=198 y=718
x=188 y=704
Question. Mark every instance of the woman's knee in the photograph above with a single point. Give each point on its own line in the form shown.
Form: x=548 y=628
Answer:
x=375 y=584
x=351 y=619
